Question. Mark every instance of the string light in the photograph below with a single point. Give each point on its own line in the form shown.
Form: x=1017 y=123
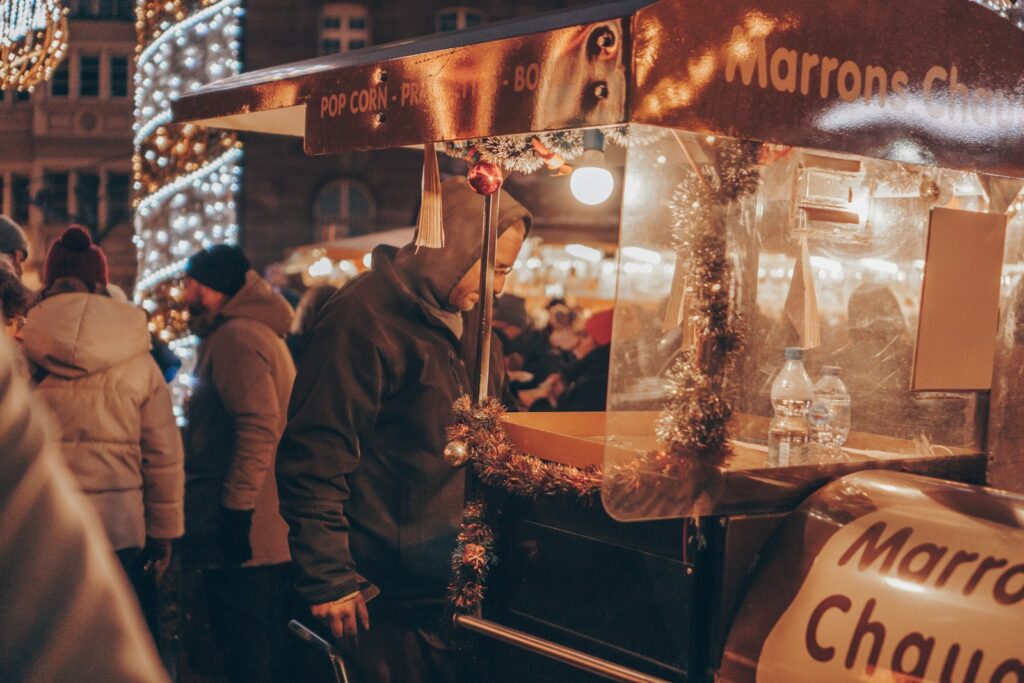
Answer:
x=1011 y=10
x=33 y=41
x=186 y=177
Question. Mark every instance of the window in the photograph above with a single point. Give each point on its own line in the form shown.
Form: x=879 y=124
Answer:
x=54 y=197
x=455 y=18
x=59 y=85
x=343 y=27
x=101 y=9
x=88 y=75
x=20 y=198
x=118 y=76
x=87 y=200
x=343 y=208
x=118 y=198
x=22 y=96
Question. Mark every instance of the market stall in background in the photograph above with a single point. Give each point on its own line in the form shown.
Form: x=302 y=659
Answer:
x=809 y=189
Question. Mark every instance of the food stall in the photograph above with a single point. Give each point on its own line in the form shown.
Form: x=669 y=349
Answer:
x=842 y=177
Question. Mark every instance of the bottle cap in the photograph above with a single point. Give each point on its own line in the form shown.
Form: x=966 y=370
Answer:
x=832 y=370
x=794 y=353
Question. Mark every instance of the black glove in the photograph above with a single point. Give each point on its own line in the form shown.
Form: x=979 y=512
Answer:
x=156 y=557
x=233 y=535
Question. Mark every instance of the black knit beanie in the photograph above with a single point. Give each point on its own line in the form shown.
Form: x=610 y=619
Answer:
x=222 y=268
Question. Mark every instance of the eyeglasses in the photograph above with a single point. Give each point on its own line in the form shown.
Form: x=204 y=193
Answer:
x=502 y=270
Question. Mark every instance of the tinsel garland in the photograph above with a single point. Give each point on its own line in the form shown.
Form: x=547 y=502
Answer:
x=523 y=154
x=473 y=556
x=693 y=422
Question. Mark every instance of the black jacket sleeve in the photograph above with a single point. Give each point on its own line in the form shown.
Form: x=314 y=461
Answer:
x=337 y=396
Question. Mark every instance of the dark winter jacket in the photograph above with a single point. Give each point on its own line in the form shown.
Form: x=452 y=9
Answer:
x=243 y=377
x=360 y=470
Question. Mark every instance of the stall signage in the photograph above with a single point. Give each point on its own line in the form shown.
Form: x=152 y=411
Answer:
x=917 y=593
x=942 y=93
x=564 y=78
x=934 y=82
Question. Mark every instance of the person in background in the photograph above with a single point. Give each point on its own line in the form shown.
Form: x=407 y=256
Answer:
x=313 y=299
x=583 y=386
x=13 y=246
x=68 y=613
x=363 y=483
x=90 y=355
x=14 y=298
x=235 y=535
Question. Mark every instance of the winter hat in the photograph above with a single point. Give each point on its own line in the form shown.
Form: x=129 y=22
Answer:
x=599 y=327
x=12 y=237
x=222 y=268
x=74 y=255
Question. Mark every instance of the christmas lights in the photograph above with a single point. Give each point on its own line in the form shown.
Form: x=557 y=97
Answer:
x=33 y=41
x=186 y=177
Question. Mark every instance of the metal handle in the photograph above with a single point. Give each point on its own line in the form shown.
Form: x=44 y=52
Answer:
x=307 y=634
x=554 y=651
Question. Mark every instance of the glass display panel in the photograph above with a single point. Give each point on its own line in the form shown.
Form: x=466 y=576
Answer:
x=818 y=251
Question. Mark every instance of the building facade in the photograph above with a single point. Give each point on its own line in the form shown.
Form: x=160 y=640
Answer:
x=65 y=149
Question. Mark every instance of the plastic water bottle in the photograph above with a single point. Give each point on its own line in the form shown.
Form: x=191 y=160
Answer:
x=792 y=393
x=830 y=412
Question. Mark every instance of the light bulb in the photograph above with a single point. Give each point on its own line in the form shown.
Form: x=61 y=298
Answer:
x=591 y=184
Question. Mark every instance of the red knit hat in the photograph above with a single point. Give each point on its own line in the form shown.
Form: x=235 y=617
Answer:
x=599 y=327
x=74 y=255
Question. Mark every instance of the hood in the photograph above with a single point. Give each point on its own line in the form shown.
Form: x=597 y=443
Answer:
x=258 y=301
x=75 y=335
x=431 y=274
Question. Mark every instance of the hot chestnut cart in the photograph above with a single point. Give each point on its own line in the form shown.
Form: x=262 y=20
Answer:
x=841 y=176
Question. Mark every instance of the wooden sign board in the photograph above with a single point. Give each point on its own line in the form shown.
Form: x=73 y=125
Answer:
x=956 y=332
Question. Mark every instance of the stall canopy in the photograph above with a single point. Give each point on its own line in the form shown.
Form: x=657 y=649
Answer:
x=919 y=81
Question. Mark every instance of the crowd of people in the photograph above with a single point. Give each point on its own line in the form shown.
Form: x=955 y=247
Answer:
x=309 y=481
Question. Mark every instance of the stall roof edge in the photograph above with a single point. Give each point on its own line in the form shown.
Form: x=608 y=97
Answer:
x=233 y=102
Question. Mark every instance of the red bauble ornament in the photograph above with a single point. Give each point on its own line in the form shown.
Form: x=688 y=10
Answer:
x=485 y=177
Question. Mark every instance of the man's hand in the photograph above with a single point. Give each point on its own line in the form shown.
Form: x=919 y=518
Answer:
x=158 y=557
x=344 y=616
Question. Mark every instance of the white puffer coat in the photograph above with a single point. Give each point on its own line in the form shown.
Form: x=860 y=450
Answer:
x=117 y=428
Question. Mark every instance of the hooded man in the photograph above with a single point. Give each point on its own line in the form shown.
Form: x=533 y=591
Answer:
x=363 y=484
x=243 y=377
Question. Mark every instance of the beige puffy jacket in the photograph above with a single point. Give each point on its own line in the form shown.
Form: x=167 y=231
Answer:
x=117 y=428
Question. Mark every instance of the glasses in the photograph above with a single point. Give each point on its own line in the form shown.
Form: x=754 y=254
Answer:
x=502 y=271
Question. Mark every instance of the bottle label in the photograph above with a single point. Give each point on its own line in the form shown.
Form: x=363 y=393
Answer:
x=820 y=414
x=784 y=454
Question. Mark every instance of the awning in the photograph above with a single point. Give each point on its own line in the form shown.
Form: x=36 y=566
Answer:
x=935 y=82
x=437 y=87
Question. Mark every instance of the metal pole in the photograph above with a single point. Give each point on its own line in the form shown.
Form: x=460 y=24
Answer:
x=559 y=653
x=481 y=371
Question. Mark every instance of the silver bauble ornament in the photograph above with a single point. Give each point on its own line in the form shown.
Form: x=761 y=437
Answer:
x=456 y=453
